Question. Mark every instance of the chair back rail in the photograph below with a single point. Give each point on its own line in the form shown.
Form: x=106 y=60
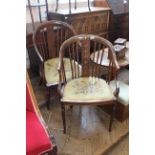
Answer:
x=88 y=51
x=49 y=36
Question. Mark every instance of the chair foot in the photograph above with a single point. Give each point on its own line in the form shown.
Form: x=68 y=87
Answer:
x=63 y=117
x=112 y=117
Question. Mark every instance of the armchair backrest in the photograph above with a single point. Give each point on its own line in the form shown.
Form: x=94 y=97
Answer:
x=49 y=36
x=87 y=50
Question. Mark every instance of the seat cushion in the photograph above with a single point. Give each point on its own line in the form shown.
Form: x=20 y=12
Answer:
x=51 y=72
x=37 y=140
x=123 y=96
x=87 y=89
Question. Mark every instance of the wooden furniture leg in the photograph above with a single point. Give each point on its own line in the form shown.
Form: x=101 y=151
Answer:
x=48 y=98
x=63 y=117
x=112 y=116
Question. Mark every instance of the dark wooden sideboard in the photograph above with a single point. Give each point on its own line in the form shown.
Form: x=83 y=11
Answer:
x=84 y=21
x=119 y=17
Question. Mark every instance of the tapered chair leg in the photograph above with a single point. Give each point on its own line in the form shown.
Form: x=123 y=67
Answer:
x=48 y=98
x=63 y=117
x=112 y=117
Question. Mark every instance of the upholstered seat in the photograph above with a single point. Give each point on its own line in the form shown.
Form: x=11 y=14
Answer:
x=86 y=89
x=37 y=140
x=51 y=72
x=123 y=96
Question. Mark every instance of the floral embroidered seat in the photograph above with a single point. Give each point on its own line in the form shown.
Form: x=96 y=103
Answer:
x=87 y=89
x=51 y=71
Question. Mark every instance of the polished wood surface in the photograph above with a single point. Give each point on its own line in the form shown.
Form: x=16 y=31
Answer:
x=101 y=3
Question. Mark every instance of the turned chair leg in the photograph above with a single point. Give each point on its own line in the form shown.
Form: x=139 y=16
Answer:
x=112 y=117
x=63 y=117
x=48 y=98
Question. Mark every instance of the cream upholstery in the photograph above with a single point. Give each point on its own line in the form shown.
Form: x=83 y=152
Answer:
x=123 y=96
x=87 y=89
x=51 y=72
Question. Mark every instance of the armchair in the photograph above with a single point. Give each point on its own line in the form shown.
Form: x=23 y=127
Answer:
x=47 y=40
x=86 y=87
x=37 y=137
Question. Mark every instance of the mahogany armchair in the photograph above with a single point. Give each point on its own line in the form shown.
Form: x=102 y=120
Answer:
x=47 y=40
x=86 y=87
x=38 y=140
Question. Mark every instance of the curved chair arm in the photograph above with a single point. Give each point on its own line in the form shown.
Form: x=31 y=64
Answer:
x=36 y=49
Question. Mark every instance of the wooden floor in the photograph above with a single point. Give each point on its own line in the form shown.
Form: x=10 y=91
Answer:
x=87 y=127
x=121 y=148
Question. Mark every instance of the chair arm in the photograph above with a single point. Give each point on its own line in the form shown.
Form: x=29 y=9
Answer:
x=60 y=80
x=36 y=49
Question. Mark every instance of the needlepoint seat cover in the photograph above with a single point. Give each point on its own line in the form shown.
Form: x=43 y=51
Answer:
x=87 y=89
x=37 y=140
x=51 y=72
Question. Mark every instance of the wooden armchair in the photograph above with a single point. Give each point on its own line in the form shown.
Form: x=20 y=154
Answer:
x=38 y=140
x=47 y=40
x=86 y=87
